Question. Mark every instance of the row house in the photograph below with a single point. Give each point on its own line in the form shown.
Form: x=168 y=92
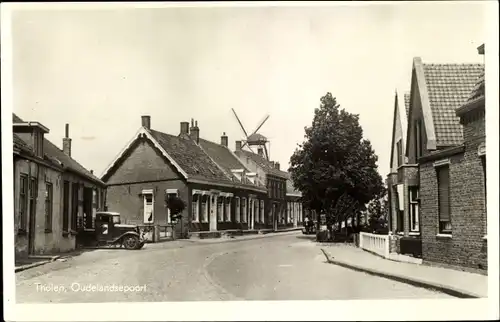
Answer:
x=269 y=174
x=294 y=204
x=220 y=192
x=438 y=173
x=55 y=197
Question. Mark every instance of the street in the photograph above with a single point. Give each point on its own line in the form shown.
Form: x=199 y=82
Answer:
x=280 y=267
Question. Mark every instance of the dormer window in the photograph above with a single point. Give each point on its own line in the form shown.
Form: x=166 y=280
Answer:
x=251 y=177
x=34 y=133
x=238 y=173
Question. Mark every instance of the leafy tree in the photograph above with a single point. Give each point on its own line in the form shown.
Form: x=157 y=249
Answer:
x=378 y=210
x=335 y=168
x=176 y=206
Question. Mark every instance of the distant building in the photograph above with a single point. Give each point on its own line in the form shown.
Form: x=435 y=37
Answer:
x=55 y=197
x=438 y=196
x=269 y=174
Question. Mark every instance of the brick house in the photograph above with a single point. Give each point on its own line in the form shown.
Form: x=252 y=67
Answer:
x=294 y=209
x=268 y=173
x=219 y=191
x=55 y=197
x=403 y=220
x=445 y=173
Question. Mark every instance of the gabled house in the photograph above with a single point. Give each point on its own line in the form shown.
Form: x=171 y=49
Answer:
x=443 y=182
x=206 y=175
x=55 y=198
x=269 y=174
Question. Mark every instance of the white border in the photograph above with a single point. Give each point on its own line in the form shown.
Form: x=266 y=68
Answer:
x=251 y=310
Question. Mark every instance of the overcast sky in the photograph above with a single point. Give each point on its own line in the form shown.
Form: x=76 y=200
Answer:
x=101 y=70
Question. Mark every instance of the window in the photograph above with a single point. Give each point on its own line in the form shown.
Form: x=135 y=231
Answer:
x=244 y=210
x=33 y=191
x=204 y=208
x=443 y=178
x=195 y=205
x=66 y=207
x=23 y=202
x=170 y=195
x=237 y=208
x=74 y=205
x=256 y=210
x=399 y=146
x=262 y=211
x=414 y=214
x=148 y=206
x=48 y=206
x=228 y=209
x=220 y=209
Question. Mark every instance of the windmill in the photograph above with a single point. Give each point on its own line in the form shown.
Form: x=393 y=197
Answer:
x=255 y=139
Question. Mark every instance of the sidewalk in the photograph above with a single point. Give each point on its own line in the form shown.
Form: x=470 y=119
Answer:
x=453 y=282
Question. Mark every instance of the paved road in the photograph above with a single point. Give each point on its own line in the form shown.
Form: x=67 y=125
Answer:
x=281 y=267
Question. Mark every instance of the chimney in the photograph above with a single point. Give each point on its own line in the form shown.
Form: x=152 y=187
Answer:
x=223 y=139
x=194 y=131
x=184 y=128
x=480 y=51
x=146 y=121
x=260 y=151
x=277 y=165
x=238 y=145
x=67 y=142
x=91 y=171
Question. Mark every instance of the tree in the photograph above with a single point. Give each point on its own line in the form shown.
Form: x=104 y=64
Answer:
x=176 y=206
x=378 y=210
x=335 y=168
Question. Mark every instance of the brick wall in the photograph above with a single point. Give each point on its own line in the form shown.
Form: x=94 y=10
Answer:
x=466 y=246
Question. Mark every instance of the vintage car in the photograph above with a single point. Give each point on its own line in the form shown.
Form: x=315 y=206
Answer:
x=109 y=231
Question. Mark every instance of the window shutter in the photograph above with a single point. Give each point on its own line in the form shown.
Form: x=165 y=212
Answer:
x=444 y=193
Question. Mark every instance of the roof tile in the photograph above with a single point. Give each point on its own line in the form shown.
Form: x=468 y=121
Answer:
x=449 y=86
x=190 y=157
x=407 y=103
x=56 y=155
x=266 y=165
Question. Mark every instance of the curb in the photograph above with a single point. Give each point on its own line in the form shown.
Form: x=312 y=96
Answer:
x=404 y=279
x=28 y=266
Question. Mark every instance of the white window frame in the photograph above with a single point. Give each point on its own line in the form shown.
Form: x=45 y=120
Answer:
x=196 y=206
x=237 y=208
x=170 y=192
x=145 y=193
x=414 y=209
x=262 y=208
x=205 y=198
x=244 y=206
x=220 y=205
x=228 y=209
x=256 y=207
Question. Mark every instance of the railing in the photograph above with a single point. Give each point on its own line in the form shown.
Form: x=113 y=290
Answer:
x=378 y=244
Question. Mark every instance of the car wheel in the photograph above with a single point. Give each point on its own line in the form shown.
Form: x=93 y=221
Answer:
x=130 y=242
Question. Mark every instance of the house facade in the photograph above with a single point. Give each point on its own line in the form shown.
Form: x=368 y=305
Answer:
x=268 y=173
x=443 y=182
x=294 y=208
x=219 y=191
x=55 y=197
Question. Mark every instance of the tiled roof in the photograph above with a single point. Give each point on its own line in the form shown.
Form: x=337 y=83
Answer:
x=267 y=166
x=224 y=158
x=478 y=90
x=190 y=157
x=20 y=144
x=449 y=86
x=407 y=103
x=56 y=155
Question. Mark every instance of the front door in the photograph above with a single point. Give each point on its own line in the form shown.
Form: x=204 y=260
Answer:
x=213 y=213
x=33 y=194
